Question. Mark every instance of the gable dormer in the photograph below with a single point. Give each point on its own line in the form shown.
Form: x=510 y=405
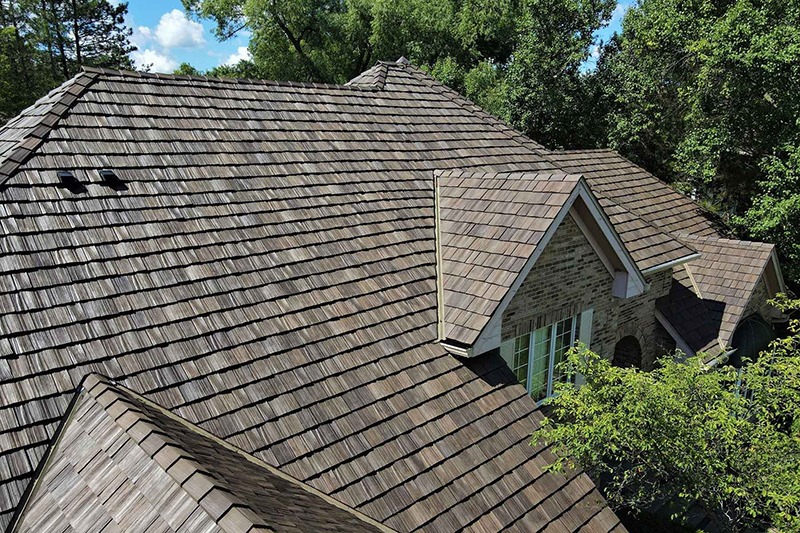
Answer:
x=491 y=230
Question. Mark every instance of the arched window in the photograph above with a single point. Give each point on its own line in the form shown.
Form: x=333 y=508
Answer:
x=751 y=337
x=627 y=353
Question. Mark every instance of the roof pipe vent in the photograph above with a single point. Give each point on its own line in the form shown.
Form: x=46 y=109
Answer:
x=111 y=179
x=70 y=182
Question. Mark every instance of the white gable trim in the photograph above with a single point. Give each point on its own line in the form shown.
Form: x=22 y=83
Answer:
x=680 y=344
x=627 y=283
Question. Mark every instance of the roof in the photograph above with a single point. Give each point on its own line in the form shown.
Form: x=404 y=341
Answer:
x=709 y=294
x=122 y=463
x=491 y=228
x=723 y=279
x=268 y=273
x=615 y=178
x=490 y=225
x=649 y=246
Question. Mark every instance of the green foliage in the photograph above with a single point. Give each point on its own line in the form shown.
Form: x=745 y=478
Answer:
x=706 y=94
x=686 y=432
x=44 y=42
x=549 y=97
x=333 y=41
x=775 y=212
x=185 y=69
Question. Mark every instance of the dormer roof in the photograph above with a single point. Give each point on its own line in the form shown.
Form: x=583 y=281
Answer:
x=491 y=229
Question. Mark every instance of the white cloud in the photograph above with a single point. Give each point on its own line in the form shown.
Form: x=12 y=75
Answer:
x=619 y=12
x=155 y=61
x=175 y=30
x=241 y=54
x=141 y=36
x=595 y=52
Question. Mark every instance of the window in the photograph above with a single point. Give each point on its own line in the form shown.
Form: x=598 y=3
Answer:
x=535 y=356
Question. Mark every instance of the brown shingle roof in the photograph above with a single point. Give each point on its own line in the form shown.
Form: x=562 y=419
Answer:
x=490 y=225
x=121 y=463
x=269 y=274
x=649 y=246
x=727 y=271
x=613 y=177
x=725 y=277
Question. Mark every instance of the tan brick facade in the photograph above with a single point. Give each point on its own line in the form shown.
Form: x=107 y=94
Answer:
x=569 y=277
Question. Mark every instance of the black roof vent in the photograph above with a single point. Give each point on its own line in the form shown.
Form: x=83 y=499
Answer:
x=111 y=179
x=70 y=182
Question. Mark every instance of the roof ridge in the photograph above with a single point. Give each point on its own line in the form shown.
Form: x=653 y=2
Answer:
x=381 y=68
x=737 y=242
x=507 y=174
x=52 y=108
x=97 y=385
x=455 y=97
x=219 y=79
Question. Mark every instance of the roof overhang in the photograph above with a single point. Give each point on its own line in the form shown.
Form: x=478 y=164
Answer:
x=596 y=226
x=670 y=264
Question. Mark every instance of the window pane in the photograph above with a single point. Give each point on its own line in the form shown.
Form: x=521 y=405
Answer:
x=564 y=341
x=520 y=367
x=541 y=363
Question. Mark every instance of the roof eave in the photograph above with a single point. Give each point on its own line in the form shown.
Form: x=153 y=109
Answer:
x=673 y=263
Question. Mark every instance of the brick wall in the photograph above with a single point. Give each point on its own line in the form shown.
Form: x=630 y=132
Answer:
x=637 y=317
x=569 y=277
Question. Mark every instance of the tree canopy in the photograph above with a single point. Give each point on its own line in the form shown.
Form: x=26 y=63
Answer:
x=44 y=42
x=727 y=441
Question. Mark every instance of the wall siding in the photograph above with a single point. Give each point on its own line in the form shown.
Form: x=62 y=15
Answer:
x=568 y=278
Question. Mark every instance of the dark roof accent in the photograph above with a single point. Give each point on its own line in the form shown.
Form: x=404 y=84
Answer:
x=722 y=281
x=269 y=275
x=123 y=463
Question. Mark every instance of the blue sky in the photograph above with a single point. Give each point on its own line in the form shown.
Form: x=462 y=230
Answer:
x=166 y=37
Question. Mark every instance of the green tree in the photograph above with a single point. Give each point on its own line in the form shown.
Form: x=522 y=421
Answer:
x=333 y=41
x=549 y=96
x=186 y=69
x=43 y=42
x=21 y=78
x=81 y=32
x=774 y=215
x=687 y=433
x=706 y=94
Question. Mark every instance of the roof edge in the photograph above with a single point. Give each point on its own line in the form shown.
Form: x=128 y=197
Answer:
x=111 y=384
x=35 y=480
x=60 y=100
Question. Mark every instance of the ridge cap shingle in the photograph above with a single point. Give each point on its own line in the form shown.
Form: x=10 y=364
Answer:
x=221 y=79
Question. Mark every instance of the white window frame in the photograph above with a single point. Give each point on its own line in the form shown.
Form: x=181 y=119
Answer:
x=580 y=330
